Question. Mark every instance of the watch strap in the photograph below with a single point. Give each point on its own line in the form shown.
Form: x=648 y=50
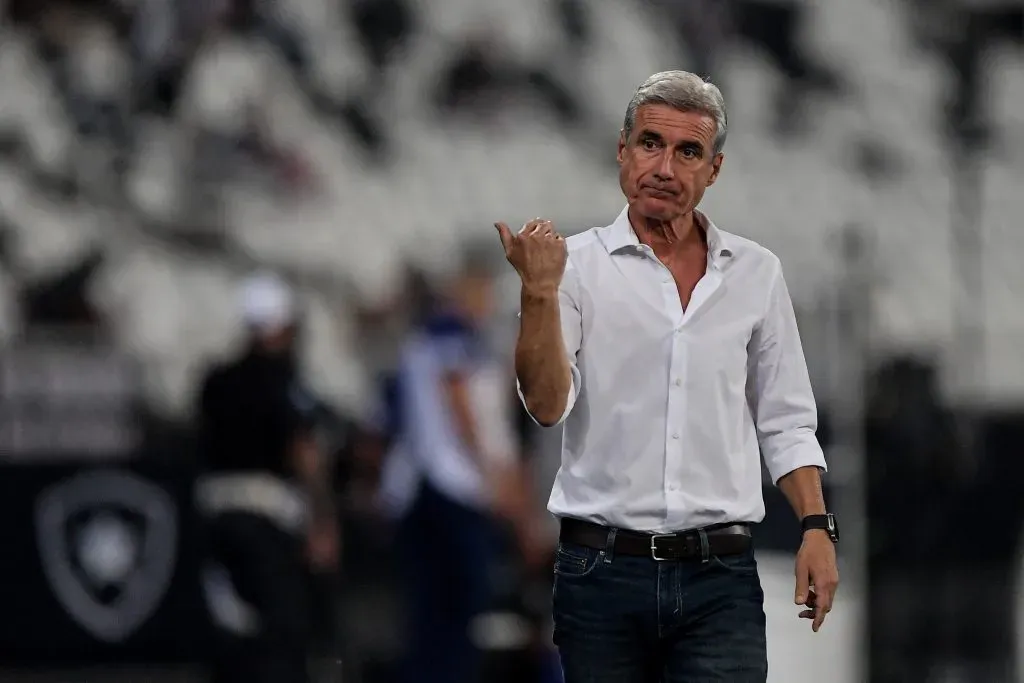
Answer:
x=826 y=522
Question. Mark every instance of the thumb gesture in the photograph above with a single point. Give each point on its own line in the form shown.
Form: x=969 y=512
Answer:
x=537 y=252
x=506 y=237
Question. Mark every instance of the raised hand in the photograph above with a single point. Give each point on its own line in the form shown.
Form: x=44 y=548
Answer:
x=537 y=252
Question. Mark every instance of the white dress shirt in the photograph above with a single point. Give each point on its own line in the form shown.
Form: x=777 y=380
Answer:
x=671 y=409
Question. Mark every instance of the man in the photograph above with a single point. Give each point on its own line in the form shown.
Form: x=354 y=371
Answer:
x=456 y=444
x=670 y=351
x=256 y=438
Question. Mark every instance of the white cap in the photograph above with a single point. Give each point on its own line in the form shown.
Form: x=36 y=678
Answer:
x=267 y=303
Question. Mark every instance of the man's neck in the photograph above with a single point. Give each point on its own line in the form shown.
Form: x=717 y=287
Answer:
x=668 y=237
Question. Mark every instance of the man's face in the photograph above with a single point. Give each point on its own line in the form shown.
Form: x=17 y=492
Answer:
x=668 y=161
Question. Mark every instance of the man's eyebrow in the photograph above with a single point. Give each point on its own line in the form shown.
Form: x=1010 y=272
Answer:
x=649 y=135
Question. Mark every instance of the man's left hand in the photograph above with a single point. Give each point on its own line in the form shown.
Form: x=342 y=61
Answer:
x=817 y=576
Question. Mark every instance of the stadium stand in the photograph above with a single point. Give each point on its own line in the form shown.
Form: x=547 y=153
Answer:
x=451 y=178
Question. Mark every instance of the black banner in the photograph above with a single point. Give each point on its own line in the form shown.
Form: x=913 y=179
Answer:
x=99 y=564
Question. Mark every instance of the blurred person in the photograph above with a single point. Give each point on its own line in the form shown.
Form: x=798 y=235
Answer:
x=451 y=477
x=163 y=39
x=964 y=33
x=384 y=28
x=80 y=41
x=479 y=78
x=915 y=470
x=574 y=18
x=669 y=350
x=269 y=20
x=701 y=26
x=266 y=492
x=773 y=27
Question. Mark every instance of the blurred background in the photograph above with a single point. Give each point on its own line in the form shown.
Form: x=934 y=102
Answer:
x=156 y=153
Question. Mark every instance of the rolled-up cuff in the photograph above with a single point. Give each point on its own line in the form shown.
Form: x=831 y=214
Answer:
x=576 y=382
x=805 y=453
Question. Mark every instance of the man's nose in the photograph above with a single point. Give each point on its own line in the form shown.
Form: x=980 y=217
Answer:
x=664 y=171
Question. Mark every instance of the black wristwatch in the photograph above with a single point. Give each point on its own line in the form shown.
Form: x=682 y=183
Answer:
x=825 y=522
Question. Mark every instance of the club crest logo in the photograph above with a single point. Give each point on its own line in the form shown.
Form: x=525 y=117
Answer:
x=108 y=546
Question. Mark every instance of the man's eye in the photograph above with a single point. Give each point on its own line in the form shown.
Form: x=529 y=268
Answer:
x=650 y=144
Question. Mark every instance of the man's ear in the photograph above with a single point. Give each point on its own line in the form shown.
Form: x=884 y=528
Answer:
x=716 y=168
x=622 y=147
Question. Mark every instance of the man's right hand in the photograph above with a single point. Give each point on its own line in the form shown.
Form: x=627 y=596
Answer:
x=537 y=252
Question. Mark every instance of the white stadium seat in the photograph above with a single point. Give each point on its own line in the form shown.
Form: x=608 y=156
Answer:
x=451 y=179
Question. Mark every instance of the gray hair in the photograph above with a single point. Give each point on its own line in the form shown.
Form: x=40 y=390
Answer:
x=684 y=91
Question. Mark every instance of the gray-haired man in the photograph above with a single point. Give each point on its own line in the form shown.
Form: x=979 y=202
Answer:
x=670 y=351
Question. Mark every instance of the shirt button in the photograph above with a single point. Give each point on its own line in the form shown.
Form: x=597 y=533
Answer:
x=678 y=382
x=676 y=435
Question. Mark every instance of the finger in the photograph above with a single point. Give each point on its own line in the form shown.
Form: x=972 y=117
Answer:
x=807 y=614
x=822 y=607
x=819 y=619
x=545 y=227
x=823 y=598
x=803 y=584
x=529 y=227
x=538 y=226
x=505 y=235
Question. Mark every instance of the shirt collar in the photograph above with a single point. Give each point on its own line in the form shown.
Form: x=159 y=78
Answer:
x=620 y=236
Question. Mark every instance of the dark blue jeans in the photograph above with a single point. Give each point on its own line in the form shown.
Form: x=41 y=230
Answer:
x=624 y=619
x=446 y=552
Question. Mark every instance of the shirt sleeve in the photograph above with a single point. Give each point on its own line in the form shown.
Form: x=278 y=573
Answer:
x=779 y=388
x=572 y=337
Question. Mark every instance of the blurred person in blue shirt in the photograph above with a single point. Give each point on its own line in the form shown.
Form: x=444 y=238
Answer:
x=452 y=476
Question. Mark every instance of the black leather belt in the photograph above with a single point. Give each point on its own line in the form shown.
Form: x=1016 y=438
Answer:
x=724 y=539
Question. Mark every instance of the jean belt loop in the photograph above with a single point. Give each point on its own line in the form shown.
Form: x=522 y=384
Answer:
x=705 y=547
x=609 y=546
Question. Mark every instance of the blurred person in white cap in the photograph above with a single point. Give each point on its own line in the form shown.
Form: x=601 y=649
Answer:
x=265 y=491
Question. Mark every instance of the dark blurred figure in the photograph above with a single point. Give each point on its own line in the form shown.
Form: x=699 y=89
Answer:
x=57 y=28
x=261 y=465
x=471 y=77
x=62 y=300
x=964 y=33
x=574 y=18
x=917 y=471
x=385 y=27
x=771 y=26
x=164 y=38
x=702 y=28
x=479 y=80
x=451 y=478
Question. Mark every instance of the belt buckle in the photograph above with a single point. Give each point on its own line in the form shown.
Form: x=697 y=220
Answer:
x=654 y=547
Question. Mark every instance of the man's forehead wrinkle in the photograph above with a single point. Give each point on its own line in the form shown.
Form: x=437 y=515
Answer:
x=664 y=123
